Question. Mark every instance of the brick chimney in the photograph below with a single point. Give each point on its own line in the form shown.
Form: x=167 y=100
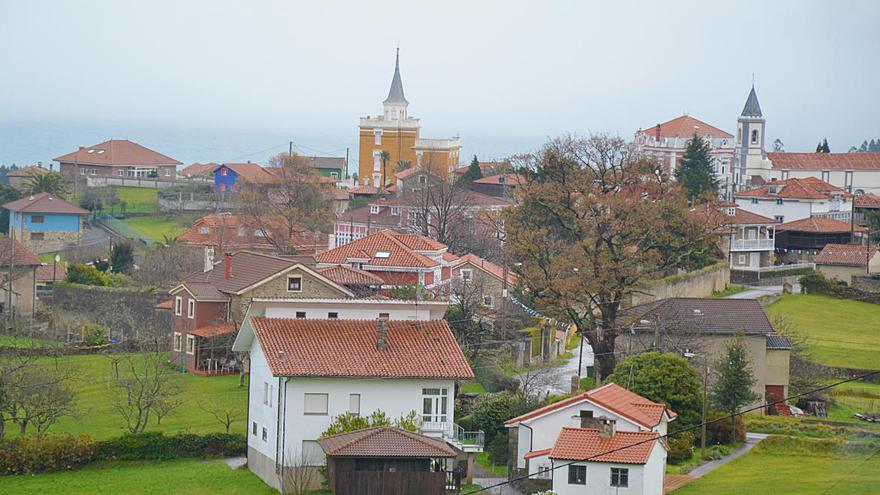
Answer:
x=657 y=133
x=382 y=334
x=227 y=265
x=607 y=427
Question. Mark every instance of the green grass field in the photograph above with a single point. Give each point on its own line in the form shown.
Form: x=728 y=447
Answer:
x=96 y=416
x=730 y=290
x=841 y=332
x=156 y=227
x=138 y=199
x=800 y=466
x=182 y=477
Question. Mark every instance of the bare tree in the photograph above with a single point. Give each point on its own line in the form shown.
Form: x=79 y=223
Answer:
x=35 y=393
x=225 y=413
x=142 y=385
x=439 y=212
x=165 y=263
x=466 y=316
x=804 y=373
x=301 y=475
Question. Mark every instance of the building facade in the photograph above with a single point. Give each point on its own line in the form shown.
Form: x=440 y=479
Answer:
x=117 y=158
x=45 y=223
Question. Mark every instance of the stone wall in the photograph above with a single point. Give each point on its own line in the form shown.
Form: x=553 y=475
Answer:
x=699 y=283
x=866 y=283
x=127 y=313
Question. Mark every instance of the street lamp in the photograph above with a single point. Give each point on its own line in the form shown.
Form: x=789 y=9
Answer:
x=689 y=355
x=55 y=265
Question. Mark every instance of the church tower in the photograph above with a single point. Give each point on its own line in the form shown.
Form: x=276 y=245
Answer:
x=750 y=155
x=395 y=105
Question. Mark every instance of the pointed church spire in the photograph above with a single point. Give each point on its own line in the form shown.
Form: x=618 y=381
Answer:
x=752 y=108
x=395 y=94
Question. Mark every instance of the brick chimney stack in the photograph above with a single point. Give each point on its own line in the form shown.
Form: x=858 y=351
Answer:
x=227 y=265
x=657 y=133
x=381 y=334
x=607 y=427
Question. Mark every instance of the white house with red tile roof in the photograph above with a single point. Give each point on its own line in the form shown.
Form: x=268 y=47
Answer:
x=611 y=405
x=117 y=158
x=749 y=240
x=842 y=261
x=305 y=372
x=795 y=199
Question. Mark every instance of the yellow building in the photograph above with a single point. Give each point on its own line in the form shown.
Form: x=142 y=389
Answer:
x=396 y=133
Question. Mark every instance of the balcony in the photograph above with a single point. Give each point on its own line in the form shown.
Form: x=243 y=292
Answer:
x=752 y=244
x=451 y=433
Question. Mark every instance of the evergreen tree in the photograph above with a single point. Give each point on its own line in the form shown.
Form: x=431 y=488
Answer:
x=122 y=258
x=864 y=147
x=696 y=172
x=874 y=145
x=7 y=194
x=473 y=173
x=822 y=147
x=734 y=378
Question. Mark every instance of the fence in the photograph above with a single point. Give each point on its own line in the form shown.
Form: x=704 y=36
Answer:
x=122 y=229
x=146 y=182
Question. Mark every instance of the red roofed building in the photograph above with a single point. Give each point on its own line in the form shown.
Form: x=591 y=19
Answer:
x=199 y=170
x=610 y=410
x=230 y=176
x=226 y=233
x=117 y=158
x=795 y=199
x=852 y=172
x=813 y=233
x=484 y=278
x=21 y=298
x=44 y=222
x=19 y=178
x=749 y=239
x=500 y=186
x=842 y=261
x=305 y=372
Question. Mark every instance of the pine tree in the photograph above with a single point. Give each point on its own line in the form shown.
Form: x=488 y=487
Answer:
x=696 y=172
x=819 y=147
x=874 y=145
x=825 y=148
x=733 y=388
x=473 y=172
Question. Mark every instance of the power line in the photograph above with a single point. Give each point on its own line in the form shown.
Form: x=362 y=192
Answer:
x=730 y=416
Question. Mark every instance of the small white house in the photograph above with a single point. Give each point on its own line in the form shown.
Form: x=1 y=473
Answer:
x=795 y=199
x=305 y=372
x=610 y=408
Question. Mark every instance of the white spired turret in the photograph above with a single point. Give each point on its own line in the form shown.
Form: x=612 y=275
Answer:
x=750 y=159
x=395 y=105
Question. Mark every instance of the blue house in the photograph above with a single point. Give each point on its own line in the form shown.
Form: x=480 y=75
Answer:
x=230 y=176
x=45 y=223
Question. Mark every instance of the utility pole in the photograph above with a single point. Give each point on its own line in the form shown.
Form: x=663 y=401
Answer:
x=705 y=400
x=345 y=175
x=290 y=149
x=11 y=268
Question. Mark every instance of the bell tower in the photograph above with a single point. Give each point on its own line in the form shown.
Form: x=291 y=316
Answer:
x=750 y=152
x=396 y=104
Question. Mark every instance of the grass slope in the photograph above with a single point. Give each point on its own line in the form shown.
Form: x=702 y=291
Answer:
x=156 y=227
x=97 y=417
x=138 y=199
x=785 y=466
x=182 y=477
x=841 y=332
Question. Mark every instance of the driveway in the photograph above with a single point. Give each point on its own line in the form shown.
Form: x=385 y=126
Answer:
x=557 y=379
x=770 y=290
x=752 y=439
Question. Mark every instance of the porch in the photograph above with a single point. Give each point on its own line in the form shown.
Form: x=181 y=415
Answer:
x=210 y=350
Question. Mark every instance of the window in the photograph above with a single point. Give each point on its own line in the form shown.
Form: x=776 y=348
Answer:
x=294 y=284
x=120 y=173
x=315 y=404
x=577 y=475
x=82 y=171
x=167 y=172
x=754 y=136
x=354 y=403
x=742 y=259
x=190 y=344
x=374 y=209
x=423 y=179
x=224 y=171
x=619 y=477
x=300 y=314
x=731 y=212
x=779 y=201
x=37 y=236
x=94 y=171
x=334 y=175
x=384 y=255
x=779 y=218
x=332 y=315
x=191 y=309
x=267 y=394
x=265 y=434
x=487 y=300
x=434 y=404
x=384 y=316
x=254 y=428
x=204 y=229
x=466 y=275
x=826 y=175
x=260 y=233
x=178 y=305
x=395 y=210
x=754 y=201
x=177 y=341
x=377 y=136
x=38 y=219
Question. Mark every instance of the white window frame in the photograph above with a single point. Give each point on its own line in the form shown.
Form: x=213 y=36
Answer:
x=742 y=259
x=395 y=210
x=622 y=472
x=265 y=434
x=295 y=277
x=377 y=136
x=167 y=172
x=204 y=229
x=374 y=209
x=466 y=274
x=354 y=403
x=190 y=344
x=309 y=411
x=267 y=394
x=177 y=341
x=191 y=309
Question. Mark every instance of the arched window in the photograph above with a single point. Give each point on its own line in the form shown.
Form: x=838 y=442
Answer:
x=754 y=136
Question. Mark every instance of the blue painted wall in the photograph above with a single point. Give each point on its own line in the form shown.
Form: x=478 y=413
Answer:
x=53 y=222
x=227 y=181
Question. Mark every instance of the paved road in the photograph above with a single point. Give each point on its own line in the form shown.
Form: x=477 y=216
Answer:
x=752 y=439
x=557 y=379
x=770 y=290
x=499 y=490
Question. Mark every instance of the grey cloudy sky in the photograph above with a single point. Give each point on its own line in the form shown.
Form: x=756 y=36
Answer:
x=504 y=72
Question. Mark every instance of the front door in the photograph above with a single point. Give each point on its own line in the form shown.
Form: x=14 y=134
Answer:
x=435 y=402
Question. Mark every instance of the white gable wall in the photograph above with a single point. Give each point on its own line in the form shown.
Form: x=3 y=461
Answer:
x=349 y=312
x=644 y=479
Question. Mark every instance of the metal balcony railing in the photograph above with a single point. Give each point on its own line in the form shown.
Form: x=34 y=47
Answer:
x=752 y=245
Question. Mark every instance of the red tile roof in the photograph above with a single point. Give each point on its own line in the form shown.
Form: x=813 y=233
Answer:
x=225 y=227
x=486 y=266
x=403 y=174
x=27 y=171
x=251 y=172
x=347 y=348
x=364 y=190
x=846 y=254
x=363 y=215
x=684 y=127
x=44 y=203
x=537 y=453
x=825 y=161
x=401 y=248
x=586 y=444
x=819 y=225
x=614 y=398
x=23 y=255
x=167 y=304
x=197 y=169
x=509 y=179
x=213 y=330
x=743 y=217
x=46 y=271
x=345 y=275
x=117 y=152
x=869 y=200
x=384 y=441
x=806 y=188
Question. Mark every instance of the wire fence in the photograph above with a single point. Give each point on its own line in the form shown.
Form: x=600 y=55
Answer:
x=122 y=229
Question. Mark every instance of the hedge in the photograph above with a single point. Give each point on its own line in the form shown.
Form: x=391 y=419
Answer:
x=44 y=452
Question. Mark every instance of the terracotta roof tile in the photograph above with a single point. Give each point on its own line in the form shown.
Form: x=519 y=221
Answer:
x=401 y=249
x=869 y=200
x=825 y=161
x=819 y=225
x=27 y=171
x=117 y=152
x=537 y=453
x=744 y=217
x=364 y=190
x=486 y=266
x=384 y=441
x=44 y=203
x=345 y=275
x=846 y=254
x=684 y=127
x=198 y=169
x=806 y=188
x=347 y=348
x=23 y=255
x=214 y=330
x=508 y=179
x=227 y=227
x=586 y=444
x=167 y=304
x=46 y=271
x=251 y=172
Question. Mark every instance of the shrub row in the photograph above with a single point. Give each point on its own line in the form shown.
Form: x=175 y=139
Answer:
x=817 y=284
x=44 y=452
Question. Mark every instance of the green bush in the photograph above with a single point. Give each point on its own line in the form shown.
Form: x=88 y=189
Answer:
x=86 y=275
x=491 y=411
x=588 y=383
x=153 y=446
x=497 y=449
x=718 y=431
x=94 y=334
x=43 y=452
x=816 y=283
x=681 y=447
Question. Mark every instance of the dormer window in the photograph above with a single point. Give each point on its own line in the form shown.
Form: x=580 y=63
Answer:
x=374 y=209
x=204 y=229
x=260 y=233
x=423 y=179
x=224 y=172
x=395 y=210
x=731 y=212
x=383 y=255
x=501 y=180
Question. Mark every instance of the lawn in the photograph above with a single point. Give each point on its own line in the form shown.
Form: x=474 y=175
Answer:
x=484 y=461
x=730 y=290
x=854 y=397
x=472 y=387
x=138 y=199
x=96 y=416
x=182 y=477
x=801 y=466
x=156 y=227
x=841 y=332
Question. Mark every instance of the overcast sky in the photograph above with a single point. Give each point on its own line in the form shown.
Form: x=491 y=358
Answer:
x=502 y=72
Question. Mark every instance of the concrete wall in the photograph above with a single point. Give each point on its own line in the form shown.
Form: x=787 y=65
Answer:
x=700 y=283
x=841 y=273
x=778 y=367
x=159 y=183
x=599 y=480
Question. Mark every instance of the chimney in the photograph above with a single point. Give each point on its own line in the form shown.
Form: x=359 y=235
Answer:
x=607 y=427
x=209 y=259
x=657 y=133
x=588 y=421
x=381 y=334
x=227 y=265
x=82 y=147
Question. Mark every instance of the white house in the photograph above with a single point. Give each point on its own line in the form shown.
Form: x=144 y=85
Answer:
x=749 y=240
x=795 y=199
x=305 y=372
x=610 y=410
x=318 y=308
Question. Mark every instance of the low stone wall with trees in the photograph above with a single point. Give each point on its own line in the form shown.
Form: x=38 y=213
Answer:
x=698 y=283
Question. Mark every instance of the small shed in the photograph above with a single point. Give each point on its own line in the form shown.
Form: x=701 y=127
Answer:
x=389 y=461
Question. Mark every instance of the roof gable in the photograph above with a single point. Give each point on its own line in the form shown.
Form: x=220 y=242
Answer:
x=117 y=152
x=44 y=203
x=587 y=444
x=402 y=251
x=384 y=441
x=686 y=126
